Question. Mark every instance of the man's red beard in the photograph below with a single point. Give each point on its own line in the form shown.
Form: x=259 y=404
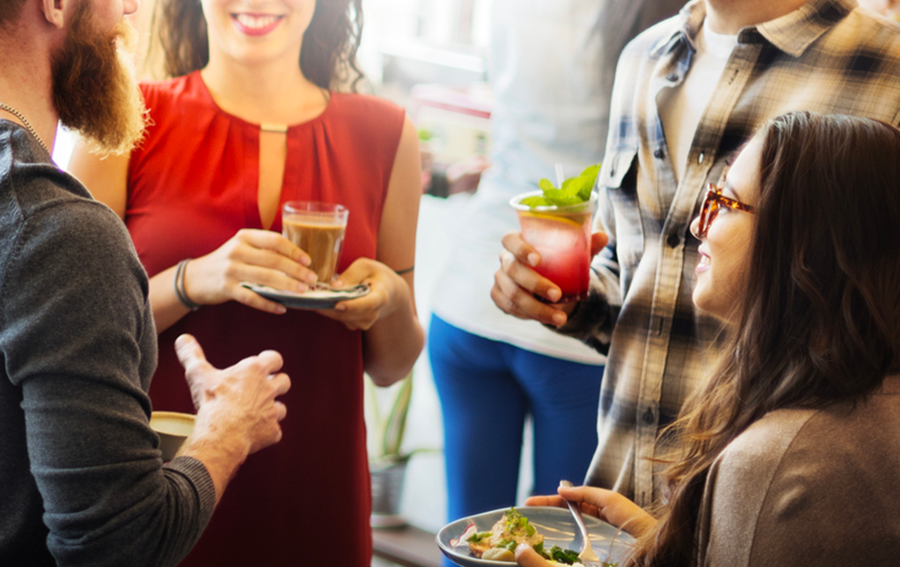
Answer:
x=94 y=87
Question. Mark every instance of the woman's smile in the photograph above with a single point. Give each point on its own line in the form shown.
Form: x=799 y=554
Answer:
x=704 y=263
x=256 y=33
x=256 y=24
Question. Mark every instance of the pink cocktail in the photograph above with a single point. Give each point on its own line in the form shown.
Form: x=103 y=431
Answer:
x=562 y=236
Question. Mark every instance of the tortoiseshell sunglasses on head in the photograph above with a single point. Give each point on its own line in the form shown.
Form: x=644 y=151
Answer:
x=710 y=208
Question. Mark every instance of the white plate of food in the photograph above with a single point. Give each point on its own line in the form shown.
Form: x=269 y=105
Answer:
x=318 y=298
x=556 y=525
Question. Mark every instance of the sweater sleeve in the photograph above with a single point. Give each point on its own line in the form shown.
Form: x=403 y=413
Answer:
x=833 y=501
x=78 y=339
x=806 y=487
x=736 y=490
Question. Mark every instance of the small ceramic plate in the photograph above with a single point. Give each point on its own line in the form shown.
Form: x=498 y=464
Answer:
x=312 y=299
x=557 y=526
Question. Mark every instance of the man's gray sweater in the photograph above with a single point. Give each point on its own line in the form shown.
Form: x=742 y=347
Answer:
x=81 y=479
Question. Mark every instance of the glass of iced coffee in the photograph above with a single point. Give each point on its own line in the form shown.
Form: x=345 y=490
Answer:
x=318 y=229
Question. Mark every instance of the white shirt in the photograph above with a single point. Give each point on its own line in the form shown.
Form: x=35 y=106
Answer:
x=547 y=74
x=681 y=107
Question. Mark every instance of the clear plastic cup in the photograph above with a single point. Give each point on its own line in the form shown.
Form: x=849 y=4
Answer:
x=562 y=236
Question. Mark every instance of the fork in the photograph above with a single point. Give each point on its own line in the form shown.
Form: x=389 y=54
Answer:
x=587 y=553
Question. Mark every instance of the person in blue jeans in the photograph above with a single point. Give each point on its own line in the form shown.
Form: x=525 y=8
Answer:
x=487 y=389
x=552 y=66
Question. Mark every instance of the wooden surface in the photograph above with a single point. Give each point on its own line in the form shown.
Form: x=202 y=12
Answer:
x=407 y=545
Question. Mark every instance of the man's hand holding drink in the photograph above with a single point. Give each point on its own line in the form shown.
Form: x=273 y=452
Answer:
x=545 y=268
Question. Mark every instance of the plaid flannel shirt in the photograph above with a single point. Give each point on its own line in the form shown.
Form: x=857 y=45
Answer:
x=827 y=56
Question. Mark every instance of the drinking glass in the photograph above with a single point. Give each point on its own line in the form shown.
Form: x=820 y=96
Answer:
x=562 y=236
x=318 y=229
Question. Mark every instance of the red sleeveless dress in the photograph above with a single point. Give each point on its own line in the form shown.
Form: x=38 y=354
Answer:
x=191 y=185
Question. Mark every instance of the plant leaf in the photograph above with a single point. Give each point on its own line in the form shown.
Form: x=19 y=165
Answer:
x=561 y=198
x=573 y=191
x=536 y=201
x=396 y=422
x=586 y=181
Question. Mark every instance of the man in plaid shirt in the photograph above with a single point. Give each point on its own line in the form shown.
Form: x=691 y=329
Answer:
x=684 y=101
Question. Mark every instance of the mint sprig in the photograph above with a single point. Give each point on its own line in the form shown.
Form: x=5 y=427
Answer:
x=574 y=190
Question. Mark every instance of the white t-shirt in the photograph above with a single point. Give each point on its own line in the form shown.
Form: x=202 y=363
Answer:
x=681 y=107
x=547 y=73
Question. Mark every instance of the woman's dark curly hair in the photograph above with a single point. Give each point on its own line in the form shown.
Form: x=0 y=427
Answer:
x=328 y=54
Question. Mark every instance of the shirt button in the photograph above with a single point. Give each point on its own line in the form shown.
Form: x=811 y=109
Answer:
x=648 y=416
x=658 y=154
x=701 y=158
x=673 y=240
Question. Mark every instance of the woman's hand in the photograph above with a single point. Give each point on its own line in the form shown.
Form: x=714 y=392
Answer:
x=388 y=291
x=516 y=282
x=527 y=557
x=259 y=256
x=607 y=505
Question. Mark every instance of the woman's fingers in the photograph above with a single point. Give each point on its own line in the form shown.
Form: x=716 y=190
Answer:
x=252 y=299
x=266 y=239
x=270 y=276
x=268 y=258
x=386 y=294
x=548 y=500
x=527 y=557
x=257 y=256
x=611 y=507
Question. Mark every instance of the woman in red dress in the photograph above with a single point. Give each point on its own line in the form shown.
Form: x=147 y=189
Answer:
x=239 y=130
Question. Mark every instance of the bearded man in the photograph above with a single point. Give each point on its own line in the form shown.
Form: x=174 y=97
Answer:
x=81 y=474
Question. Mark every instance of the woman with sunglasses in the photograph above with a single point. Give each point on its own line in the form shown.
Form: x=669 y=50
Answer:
x=790 y=454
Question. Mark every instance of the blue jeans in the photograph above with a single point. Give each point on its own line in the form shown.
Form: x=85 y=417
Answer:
x=487 y=388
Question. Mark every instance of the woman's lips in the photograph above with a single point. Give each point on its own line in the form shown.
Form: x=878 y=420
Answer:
x=704 y=263
x=256 y=24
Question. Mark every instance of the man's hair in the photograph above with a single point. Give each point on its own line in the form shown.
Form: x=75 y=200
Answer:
x=327 y=57
x=9 y=11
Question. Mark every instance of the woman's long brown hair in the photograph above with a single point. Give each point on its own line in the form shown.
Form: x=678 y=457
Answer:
x=327 y=56
x=819 y=321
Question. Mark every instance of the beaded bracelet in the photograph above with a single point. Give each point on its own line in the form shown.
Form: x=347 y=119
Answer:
x=180 y=292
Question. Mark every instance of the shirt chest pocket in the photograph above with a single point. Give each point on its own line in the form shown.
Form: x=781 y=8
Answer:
x=619 y=180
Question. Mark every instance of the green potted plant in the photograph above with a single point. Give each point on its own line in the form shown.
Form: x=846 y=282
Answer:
x=387 y=411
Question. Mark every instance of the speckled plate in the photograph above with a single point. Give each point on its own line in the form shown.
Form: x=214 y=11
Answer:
x=312 y=299
x=557 y=526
